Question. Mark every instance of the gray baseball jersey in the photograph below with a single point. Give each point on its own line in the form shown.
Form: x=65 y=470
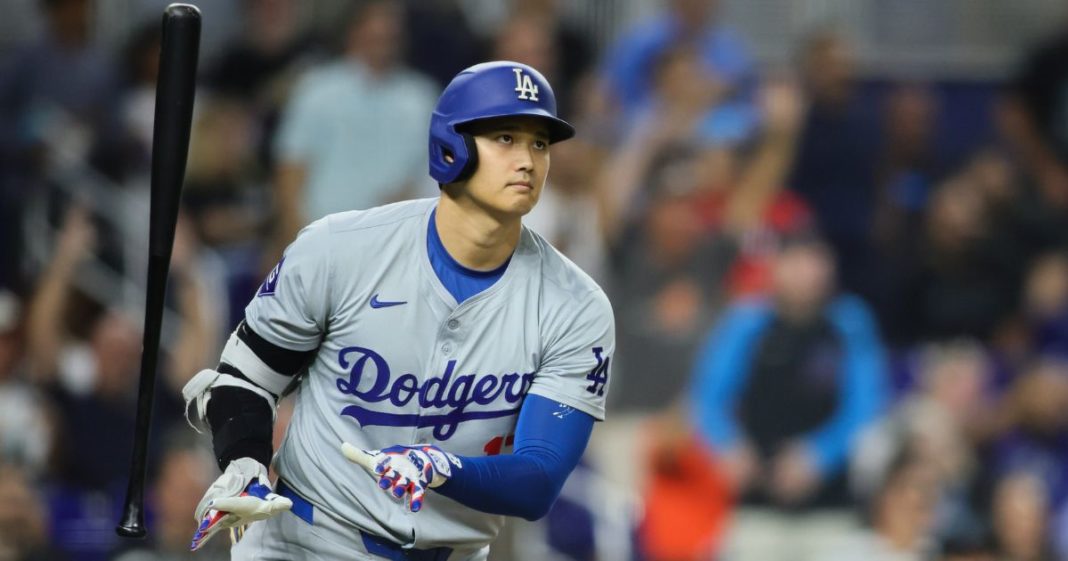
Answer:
x=399 y=362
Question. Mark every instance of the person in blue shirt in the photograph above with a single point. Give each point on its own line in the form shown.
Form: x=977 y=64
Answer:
x=630 y=70
x=782 y=388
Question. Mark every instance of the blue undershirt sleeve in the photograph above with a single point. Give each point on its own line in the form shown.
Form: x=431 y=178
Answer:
x=549 y=440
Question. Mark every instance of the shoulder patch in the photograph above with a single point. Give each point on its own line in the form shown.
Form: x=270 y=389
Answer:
x=271 y=283
x=599 y=375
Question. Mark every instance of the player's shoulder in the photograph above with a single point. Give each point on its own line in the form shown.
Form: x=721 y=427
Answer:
x=562 y=279
x=386 y=217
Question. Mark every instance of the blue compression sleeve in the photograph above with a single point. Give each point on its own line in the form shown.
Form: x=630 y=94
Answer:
x=549 y=440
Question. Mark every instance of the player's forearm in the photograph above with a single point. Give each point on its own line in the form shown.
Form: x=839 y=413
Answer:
x=549 y=441
x=523 y=485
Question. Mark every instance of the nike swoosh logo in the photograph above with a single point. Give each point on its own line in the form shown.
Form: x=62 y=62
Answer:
x=376 y=303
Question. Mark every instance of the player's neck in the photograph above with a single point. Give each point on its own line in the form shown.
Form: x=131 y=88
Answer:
x=473 y=237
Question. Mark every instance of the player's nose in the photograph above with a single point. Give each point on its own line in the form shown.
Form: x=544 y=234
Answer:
x=525 y=158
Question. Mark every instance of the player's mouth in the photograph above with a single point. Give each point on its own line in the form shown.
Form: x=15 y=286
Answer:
x=521 y=185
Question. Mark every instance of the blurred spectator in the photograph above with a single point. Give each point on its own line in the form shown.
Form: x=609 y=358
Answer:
x=688 y=227
x=666 y=285
x=93 y=380
x=630 y=67
x=666 y=123
x=93 y=383
x=1037 y=444
x=837 y=157
x=743 y=197
x=1046 y=303
x=938 y=425
x=61 y=85
x=58 y=100
x=260 y=66
x=270 y=46
x=1020 y=518
x=736 y=177
x=222 y=203
x=687 y=501
x=25 y=426
x=908 y=168
x=337 y=154
x=781 y=390
x=446 y=42
x=664 y=275
x=1034 y=118
x=23 y=520
x=185 y=470
x=138 y=105
x=902 y=516
x=965 y=278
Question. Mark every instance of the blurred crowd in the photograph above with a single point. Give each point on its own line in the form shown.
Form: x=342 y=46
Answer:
x=841 y=301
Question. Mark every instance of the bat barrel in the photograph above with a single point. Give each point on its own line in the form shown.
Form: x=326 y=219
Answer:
x=170 y=146
x=174 y=115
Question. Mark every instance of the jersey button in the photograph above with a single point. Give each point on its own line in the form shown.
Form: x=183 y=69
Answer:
x=453 y=323
x=446 y=348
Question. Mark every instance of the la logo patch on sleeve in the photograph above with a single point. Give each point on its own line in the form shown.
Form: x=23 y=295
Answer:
x=268 y=287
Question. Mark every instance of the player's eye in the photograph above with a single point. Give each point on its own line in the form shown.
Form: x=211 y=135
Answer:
x=504 y=138
x=541 y=145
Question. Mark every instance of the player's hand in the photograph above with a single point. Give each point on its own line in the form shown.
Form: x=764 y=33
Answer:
x=405 y=471
x=241 y=495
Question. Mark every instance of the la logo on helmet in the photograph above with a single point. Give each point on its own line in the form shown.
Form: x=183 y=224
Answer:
x=524 y=86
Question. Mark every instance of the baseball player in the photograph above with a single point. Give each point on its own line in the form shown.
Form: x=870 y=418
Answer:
x=436 y=335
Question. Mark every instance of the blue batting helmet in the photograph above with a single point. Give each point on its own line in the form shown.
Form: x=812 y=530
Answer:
x=484 y=91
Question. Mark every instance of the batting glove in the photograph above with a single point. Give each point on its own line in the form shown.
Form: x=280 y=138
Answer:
x=405 y=471
x=240 y=496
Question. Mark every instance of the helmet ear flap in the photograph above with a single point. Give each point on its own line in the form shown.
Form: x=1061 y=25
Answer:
x=471 y=163
x=453 y=156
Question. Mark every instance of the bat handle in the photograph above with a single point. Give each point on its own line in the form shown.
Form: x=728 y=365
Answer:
x=359 y=457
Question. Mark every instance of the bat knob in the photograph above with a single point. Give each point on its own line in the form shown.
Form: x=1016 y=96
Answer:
x=132 y=524
x=134 y=531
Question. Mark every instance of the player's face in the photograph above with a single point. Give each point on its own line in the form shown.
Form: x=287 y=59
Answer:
x=513 y=160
